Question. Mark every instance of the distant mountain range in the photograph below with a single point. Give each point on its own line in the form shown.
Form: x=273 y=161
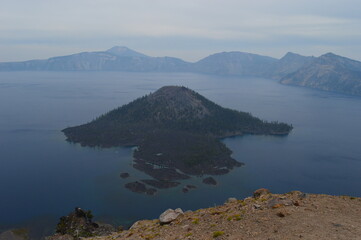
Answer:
x=328 y=72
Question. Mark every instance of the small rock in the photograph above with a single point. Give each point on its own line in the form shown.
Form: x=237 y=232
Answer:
x=124 y=175
x=303 y=195
x=278 y=202
x=135 y=225
x=260 y=192
x=170 y=215
x=185 y=190
x=278 y=205
x=185 y=226
x=281 y=214
x=256 y=206
x=231 y=200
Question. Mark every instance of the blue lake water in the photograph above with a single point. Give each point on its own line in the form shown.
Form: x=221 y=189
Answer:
x=43 y=177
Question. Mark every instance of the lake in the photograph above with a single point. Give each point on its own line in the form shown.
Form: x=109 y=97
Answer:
x=43 y=177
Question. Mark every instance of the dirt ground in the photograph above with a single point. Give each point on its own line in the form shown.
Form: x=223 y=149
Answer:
x=267 y=216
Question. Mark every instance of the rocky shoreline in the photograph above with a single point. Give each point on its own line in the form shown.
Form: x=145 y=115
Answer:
x=293 y=215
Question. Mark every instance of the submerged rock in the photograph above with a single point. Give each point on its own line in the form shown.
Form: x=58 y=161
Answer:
x=160 y=184
x=210 y=181
x=136 y=187
x=139 y=187
x=161 y=174
x=170 y=215
x=124 y=175
x=151 y=191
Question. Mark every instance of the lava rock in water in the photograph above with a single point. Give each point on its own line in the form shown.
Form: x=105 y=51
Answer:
x=210 y=181
x=160 y=184
x=139 y=187
x=124 y=175
x=185 y=190
x=136 y=187
x=151 y=191
x=161 y=174
x=170 y=215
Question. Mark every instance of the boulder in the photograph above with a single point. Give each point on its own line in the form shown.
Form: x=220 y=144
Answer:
x=279 y=202
x=260 y=192
x=170 y=215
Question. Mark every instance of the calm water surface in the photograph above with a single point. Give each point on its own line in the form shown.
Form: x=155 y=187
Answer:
x=42 y=177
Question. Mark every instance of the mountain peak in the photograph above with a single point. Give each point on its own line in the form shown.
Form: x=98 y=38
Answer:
x=329 y=55
x=291 y=54
x=180 y=100
x=124 y=52
x=171 y=91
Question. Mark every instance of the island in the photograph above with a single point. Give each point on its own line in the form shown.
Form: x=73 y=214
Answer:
x=177 y=133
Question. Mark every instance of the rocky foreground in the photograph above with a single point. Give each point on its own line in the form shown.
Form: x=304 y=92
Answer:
x=293 y=215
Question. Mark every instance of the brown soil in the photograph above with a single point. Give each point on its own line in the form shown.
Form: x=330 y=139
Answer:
x=268 y=217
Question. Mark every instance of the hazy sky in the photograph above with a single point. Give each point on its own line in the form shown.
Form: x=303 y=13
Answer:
x=189 y=29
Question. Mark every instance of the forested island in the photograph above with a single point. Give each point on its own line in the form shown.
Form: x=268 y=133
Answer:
x=174 y=128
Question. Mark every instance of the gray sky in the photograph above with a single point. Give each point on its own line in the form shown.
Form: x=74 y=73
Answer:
x=189 y=29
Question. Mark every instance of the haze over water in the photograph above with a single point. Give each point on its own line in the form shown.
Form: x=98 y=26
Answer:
x=44 y=177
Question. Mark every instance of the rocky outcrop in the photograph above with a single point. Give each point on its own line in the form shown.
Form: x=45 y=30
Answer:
x=260 y=192
x=79 y=224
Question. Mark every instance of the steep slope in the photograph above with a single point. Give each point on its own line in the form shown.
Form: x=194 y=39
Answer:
x=329 y=72
x=235 y=63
